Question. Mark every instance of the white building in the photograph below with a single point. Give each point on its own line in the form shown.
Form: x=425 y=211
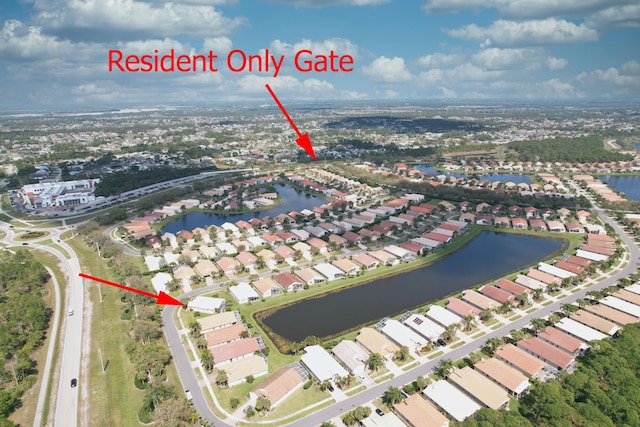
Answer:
x=207 y=304
x=400 y=334
x=244 y=293
x=65 y=193
x=321 y=365
x=442 y=316
x=580 y=331
x=331 y=272
x=622 y=305
x=451 y=400
x=352 y=356
x=555 y=271
x=425 y=327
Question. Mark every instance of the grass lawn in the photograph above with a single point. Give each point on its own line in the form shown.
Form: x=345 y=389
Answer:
x=300 y=399
x=546 y=303
x=456 y=345
x=114 y=399
x=384 y=378
x=434 y=355
x=478 y=335
x=355 y=390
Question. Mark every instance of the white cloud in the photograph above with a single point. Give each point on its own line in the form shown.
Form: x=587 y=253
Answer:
x=627 y=16
x=517 y=58
x=322 y=3
x=557 y=89
x=286 y=84
x=527 y=33
x=22 y=42
x=338 y=45
x=628 y=78
x=131 y=19
x=388 y=70
x=352 y=95
x=526 y=9
x=440 y=60
x=218 y=45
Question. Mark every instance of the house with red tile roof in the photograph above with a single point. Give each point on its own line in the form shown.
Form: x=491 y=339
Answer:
x=285 y=252
x=512 y=287
x=563 y=340
x=272 y=239
x=319 y=244
x=538 y=225
x=368 y=261
x=437 y=237
x=462 y=309
x=497 y=294
x=224 y=335
x=523 y=361
x=288 y=281
x=236 y=350
x=553 y=356
x=484 y=220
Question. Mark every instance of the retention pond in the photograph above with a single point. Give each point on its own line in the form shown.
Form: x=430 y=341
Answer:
x=490 y=255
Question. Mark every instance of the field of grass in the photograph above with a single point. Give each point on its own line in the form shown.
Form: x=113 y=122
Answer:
x=114 y=399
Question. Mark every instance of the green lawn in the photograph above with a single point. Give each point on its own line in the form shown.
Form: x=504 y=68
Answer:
x=114 y=399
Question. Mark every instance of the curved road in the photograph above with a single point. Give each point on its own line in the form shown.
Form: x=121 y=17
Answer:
x=190 y=381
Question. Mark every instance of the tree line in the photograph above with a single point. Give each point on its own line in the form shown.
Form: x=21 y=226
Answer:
x=122 y=181
x=603 y=391
x=24 y=320
x=588 y=149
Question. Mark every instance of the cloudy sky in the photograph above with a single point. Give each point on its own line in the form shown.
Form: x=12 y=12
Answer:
x=54 y=53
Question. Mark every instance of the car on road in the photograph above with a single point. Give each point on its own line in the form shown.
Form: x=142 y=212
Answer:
x=74 y=382
x=189 y=395
x=71 y=312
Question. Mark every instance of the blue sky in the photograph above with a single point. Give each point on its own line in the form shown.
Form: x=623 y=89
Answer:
x=53 y=53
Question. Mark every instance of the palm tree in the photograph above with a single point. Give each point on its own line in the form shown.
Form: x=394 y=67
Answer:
x=444 y=368
x=422 y=383
x=568 y=309
x=491 y=345
x=194 y=328
x=523 y=299
x=517 y=335
x=450 y=332
x=374 y=362
x=554 y=318
x=537 y=294
x=506 y=307
x=538 y=324
x=468 y=322
x=486 y=314
x=402 y=354
x=392 y=396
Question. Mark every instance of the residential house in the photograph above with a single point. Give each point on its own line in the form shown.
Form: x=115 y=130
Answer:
x=288 y=281
x=244 y=293
x=267 y=287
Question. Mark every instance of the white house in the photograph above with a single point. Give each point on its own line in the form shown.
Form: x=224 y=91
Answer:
x=207 y=304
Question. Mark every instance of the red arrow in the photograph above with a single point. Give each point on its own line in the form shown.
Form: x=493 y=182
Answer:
x=303 y=140
x=162 y=298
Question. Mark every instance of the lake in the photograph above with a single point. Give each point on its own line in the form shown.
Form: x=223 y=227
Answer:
x=491 y=177
x=636 y=145
x=627 y=184
x=294 y=200
x=489 y=255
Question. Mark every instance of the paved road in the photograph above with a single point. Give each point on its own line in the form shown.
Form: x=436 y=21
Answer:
x=66 y=407
x=190 y=382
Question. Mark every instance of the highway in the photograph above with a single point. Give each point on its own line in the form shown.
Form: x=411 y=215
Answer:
x=190 y=381
x=66 y=407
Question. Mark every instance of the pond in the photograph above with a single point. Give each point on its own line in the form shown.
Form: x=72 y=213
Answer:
x=636 y=145
x=489 y=255
x=294 y=200
x=627 y=184
x=492 y=177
